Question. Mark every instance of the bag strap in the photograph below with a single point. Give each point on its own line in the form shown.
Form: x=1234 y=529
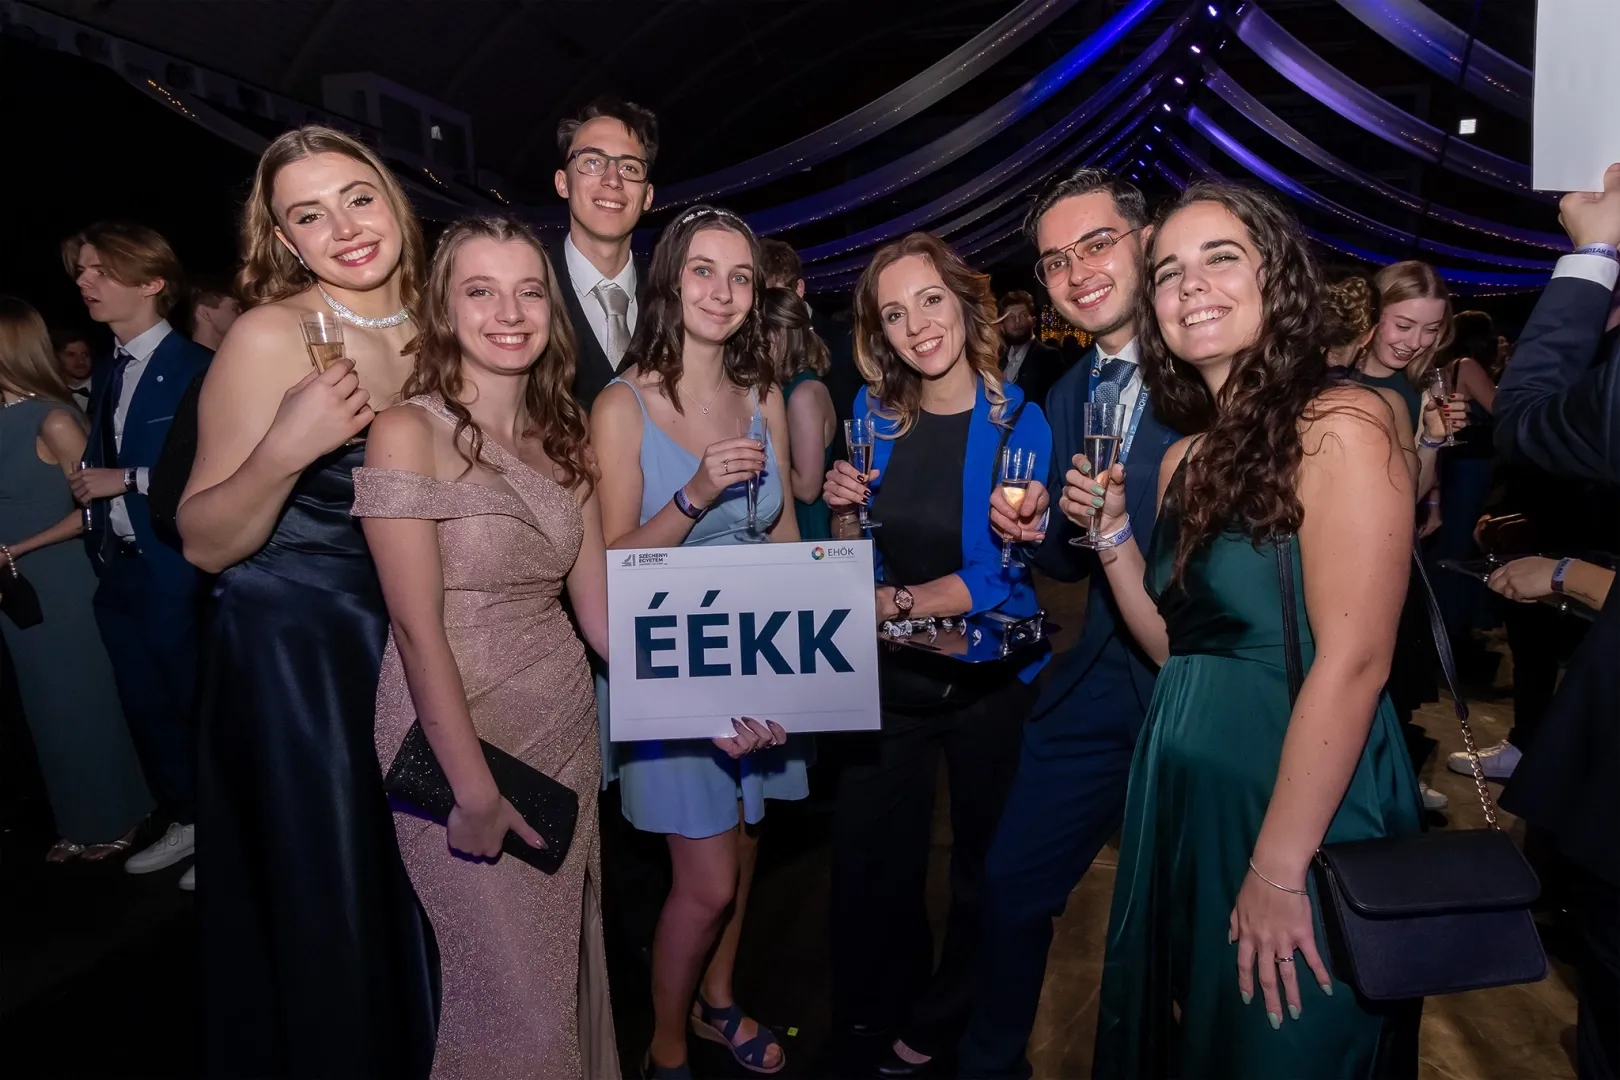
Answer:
x=1448 y=666
x=1442 y=643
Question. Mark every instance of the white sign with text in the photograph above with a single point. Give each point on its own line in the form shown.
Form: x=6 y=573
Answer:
x=698 y=635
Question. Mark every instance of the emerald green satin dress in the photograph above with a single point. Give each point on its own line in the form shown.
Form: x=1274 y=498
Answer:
x=1200 y=783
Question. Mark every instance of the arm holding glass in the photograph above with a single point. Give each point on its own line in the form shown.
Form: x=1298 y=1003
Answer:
x=263 y=418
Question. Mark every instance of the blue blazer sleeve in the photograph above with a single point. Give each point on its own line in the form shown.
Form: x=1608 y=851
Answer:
x=989 y=584
x=1553 y=407
x=1055 y=556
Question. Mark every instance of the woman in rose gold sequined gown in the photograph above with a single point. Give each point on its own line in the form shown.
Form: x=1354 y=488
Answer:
x=524 y=980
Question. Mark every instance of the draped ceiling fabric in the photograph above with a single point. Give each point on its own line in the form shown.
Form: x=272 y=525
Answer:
x=1439 y=46
x=902 y=103
x=1256 y=113
x=942 y=151
x=1327 y=84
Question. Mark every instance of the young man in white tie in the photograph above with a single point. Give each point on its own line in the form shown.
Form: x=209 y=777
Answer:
x=146 y=600
x=607 y=153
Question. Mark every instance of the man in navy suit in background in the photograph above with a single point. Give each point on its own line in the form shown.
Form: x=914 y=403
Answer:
x=1069 y=794
x=148 y=594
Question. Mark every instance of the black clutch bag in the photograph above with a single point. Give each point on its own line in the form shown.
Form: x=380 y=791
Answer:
x=18 y=600
x=1405 y=916
x=551 y=808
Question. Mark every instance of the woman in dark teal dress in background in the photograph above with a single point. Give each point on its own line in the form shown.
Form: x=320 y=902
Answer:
x=801 y=361
x=1231 y=791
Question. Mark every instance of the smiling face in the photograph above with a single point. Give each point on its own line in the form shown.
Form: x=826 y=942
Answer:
x=606 y=207
x=332 y=212
x=109 y=300
x=717 y=284
x=1206 y=282
x=1406 y=330
x=1098 y=299
x=499 y=305
x=922 y=318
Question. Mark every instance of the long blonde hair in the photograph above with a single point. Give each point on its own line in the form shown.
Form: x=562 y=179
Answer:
x=1414 y=280
x=893 y=383
x=269 y=271
x=27 y=364
x=550 y=409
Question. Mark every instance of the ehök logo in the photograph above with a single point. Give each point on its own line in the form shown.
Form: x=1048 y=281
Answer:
x=835 y=551
x=712 y=651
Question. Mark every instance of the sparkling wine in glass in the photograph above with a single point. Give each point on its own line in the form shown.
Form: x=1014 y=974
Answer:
x=1103 y=424
x=1440 y=388
x=1017 y=470
x=323 y=337
x=858 y=434
x=755 y=431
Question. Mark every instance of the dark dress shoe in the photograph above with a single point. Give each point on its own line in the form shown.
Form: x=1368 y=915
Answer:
x=892 y=1066
x=865 y=1031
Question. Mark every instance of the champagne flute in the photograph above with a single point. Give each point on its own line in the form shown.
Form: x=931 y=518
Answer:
x=755 y=430
x=858 y=434
x=1017 y=470
x=1440 y=389
x=323 y=337
x=1102 y=429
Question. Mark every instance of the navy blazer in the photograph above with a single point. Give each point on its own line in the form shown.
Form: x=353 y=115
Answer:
x=1104 y=640
x=592 y=368
x=169 y=372
x=991 y=586
x=1559 y=407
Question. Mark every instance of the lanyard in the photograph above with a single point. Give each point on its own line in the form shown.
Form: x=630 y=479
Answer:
x=1136 y=410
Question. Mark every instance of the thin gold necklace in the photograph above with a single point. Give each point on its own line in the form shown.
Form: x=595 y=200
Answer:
x=712 y=396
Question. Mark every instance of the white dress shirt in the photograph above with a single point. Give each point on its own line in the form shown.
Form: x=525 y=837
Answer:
x=586 y=278
x=1015 y=360
x=81 y=392
x=1594 y=268
x=140 y=350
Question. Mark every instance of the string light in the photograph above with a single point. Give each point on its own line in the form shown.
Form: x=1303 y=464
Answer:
x=176 y=102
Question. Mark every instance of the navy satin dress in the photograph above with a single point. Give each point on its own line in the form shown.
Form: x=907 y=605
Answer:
x=317 y=960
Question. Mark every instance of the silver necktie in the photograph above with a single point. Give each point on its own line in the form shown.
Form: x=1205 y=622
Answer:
x=616 y=305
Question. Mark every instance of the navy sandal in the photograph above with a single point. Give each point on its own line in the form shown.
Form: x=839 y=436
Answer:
x=720 y=1025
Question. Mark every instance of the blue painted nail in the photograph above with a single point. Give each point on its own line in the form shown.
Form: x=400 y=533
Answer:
x=1246 y=996
x=1293 y=1012
x=1276 y=1021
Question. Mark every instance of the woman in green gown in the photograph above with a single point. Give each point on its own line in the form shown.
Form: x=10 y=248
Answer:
x=1216 y=965
x=801 y=361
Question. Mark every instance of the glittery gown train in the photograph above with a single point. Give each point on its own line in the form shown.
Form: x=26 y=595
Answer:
x=524 y=978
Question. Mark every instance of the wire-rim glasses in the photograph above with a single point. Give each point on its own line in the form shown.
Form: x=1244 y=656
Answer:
x=588 y=161
x=1092 y=249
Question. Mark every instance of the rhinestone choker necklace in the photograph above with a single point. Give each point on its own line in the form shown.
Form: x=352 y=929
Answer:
x=345 y=315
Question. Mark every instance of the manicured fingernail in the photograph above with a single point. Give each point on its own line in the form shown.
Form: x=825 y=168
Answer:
x=1276 y=1021
x=1327 y=988
x=1246 y=996
x=1231 y=938
x=1096 y=500
x=1293 y=1012
x=1098 y=489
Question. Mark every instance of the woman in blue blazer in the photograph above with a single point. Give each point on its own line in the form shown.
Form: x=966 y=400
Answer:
x=927 y=345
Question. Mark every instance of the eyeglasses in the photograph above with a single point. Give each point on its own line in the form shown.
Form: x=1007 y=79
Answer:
x=592 y=162
x=1092 y=250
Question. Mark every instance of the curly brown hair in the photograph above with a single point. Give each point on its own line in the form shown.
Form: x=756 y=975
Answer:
x=661 y=328
x=1350 y=306
x=549 y=406
x=269 y=271
x=1243 y=471
x=894 y=384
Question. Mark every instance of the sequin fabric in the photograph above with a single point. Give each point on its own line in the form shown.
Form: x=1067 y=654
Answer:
x=516 y=1002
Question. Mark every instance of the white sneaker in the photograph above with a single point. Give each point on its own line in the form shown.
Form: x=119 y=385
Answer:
x=1432 y=799
x=188 y=880
x=1496 y=762
x=175 y=844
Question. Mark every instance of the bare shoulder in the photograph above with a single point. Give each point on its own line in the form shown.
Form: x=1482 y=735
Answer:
x=1173 y=457
x=615 y=409
x=264 y=348
x=1351 y=416
x=406 y=437
x=61 y=426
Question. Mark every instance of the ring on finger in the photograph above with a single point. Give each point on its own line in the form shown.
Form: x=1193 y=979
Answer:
x=725 y=464
x=1285 y=959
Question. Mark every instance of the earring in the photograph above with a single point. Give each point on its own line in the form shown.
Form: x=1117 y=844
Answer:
x=300 y=257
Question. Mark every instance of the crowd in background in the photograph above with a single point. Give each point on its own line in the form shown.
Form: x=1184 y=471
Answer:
x=245 y=596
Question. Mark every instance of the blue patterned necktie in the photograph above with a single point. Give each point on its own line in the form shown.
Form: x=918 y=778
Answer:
x=1112 y=380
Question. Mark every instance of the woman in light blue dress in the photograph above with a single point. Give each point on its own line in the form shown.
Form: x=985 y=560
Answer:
x=671 y=439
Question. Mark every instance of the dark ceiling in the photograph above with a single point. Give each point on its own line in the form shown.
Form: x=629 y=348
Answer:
x=732 y=78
